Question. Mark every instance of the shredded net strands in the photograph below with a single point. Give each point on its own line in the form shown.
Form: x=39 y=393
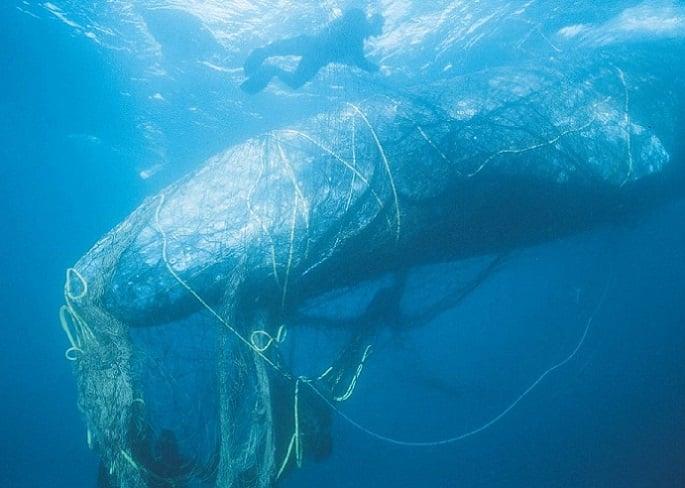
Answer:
x=176 y=318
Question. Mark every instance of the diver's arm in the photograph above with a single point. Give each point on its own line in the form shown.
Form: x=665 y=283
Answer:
x=356 y=57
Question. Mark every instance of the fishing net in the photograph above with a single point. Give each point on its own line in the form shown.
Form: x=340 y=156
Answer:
x=181 y=319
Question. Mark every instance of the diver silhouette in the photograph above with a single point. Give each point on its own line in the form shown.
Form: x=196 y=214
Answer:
x=341 y=41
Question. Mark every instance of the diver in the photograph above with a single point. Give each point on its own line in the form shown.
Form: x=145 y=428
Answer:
x=341 y=41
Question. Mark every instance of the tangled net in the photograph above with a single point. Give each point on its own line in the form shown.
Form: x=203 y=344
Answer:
x=178 y=319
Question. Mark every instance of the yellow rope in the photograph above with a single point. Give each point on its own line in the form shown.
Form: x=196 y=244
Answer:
x=299 y=197
x=67 y=287
x=296 y=186
x=65 y=319
x=337 y=157
x=435 y=147
x=530 y=148
x=353 y=147
x=76 y=329
x=388 y=171
x=260 y=221
x=262 y=340
x=627 y=123
x=295 y=441
x=493 y=420
x=355 y=377
x=130 y=460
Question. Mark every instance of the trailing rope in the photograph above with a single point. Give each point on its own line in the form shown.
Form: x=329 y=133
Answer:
x=492 y=421
x=76 y=329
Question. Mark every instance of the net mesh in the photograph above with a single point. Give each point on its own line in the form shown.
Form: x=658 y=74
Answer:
x=178 y=317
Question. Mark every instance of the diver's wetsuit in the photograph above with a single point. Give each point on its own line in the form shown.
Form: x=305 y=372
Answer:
x=342 y=41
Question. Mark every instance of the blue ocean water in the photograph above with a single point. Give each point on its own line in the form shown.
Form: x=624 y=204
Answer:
x=99 y=111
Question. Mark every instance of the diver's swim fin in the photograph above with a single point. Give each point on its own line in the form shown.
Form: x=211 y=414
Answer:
x=257 y=82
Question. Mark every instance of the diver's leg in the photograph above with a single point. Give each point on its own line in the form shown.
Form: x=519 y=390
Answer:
x=295 y=46
x=259 y=79
x=305 y=71
x=254 y=61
